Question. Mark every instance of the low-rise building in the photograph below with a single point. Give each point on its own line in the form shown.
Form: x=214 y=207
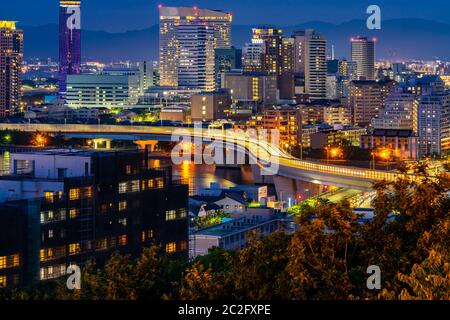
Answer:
x=402 y=144
x=210 y=106
x=339 y=135
x=234 y=234
x=102 y=90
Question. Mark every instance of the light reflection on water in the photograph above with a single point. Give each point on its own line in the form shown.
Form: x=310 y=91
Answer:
x=200 y=176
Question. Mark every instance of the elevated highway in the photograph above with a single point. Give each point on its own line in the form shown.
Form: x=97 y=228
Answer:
x=262 y=152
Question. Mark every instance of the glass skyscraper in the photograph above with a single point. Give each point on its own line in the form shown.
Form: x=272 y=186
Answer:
x=69 y=42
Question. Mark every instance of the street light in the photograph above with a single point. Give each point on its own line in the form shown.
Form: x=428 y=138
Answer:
x=332 y=152
x=385 y=154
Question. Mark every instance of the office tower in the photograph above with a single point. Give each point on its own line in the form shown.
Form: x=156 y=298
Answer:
x=76 y=205
x=272 y=39
x=210 y=106
x=11 y=56
x=363 y=53
x=170 y=19
x=69 y=41
x=399 y=112
x=226 y=60
x=102 y=90
x=434 y=124
x=253 y=56
x=196 y=57
x=286 y=77
x=146 y=76
x=310 y=60
x=366 y=98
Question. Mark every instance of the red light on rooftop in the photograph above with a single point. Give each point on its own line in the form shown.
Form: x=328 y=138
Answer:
x=160 y=6
x=374 y=39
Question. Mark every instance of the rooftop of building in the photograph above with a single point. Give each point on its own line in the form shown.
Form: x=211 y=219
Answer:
x=237 y=226
x=9 y=25
x=392 y=133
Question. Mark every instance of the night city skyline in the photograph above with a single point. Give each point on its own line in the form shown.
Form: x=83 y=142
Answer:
x=218 y=159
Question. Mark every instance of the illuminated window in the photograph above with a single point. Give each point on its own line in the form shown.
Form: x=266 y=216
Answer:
x=74 y=248
x=11 y=261
x=160 y=183
x=123 y=187
x=122 y=205
x=2 y=262
x=73 y=213
x=135 y=185
x=128 y=169
x=48 y=196
x=74 y=194
x=2 y=281
x=182 y=213
x=88 y=192
x=171 y=215
x=102 y=244
x=183 y=246
x=123 y=240
x=171 y=247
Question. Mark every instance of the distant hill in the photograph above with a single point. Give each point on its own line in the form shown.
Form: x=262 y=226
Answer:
x=399 y=38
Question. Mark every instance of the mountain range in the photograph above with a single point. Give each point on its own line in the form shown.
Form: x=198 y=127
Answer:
x=398 y=39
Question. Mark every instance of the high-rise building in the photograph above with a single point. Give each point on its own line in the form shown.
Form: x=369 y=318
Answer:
x=170 y=19
x=310 y=59
x=69 y=41
x=147 y=76
x=434 y=124
x=196 y=57
x=399 y=112
x=366 y=99
x=272 y=40
x=363 y=53
x=11 y=56
x=226 y=60
x=253 y=56
x=77 y=205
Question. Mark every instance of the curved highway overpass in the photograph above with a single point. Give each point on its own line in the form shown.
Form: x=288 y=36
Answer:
x=264 y=152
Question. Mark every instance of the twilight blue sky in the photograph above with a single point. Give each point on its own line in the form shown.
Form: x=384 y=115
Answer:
x=122 y=15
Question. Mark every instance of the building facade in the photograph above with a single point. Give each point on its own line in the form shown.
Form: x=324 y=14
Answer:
x=363 y=53
x=117 y=204
x=210 y=106
x=366 y=99
x=102 y=90
x=69 y=41
x=11 y=57
x=171 y=19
